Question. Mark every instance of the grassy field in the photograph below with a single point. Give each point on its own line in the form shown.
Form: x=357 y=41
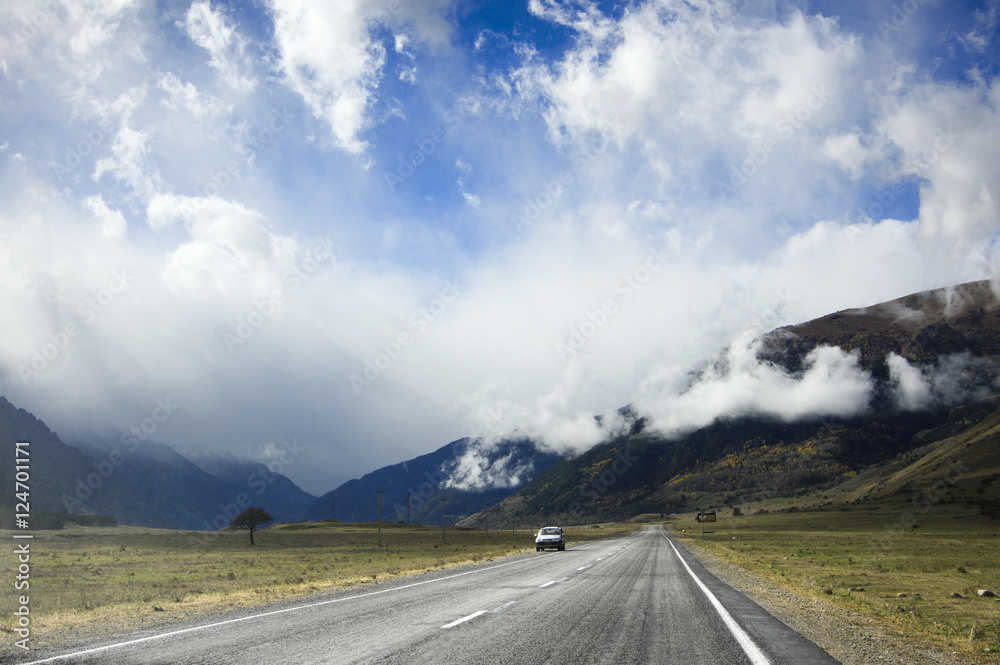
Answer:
x=894 y=564
x=89 y=580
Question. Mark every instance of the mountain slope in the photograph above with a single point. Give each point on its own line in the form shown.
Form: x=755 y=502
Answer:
x=944 y=343
x=141 y=483
x=425 y=479
x=921 y=327
x=270 y=490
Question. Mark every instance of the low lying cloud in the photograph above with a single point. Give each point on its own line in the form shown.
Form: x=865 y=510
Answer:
x=739 y=384
x=954 y=379
x=479 y=469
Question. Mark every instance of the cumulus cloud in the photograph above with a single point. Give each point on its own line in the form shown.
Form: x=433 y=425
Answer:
x=331 y=56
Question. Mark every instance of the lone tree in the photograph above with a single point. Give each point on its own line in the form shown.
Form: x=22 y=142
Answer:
x=252 y=519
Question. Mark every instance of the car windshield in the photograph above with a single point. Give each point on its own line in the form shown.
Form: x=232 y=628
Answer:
x=550 y=531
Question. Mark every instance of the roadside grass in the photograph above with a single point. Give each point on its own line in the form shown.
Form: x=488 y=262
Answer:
x=891 y=563
x=102 y=580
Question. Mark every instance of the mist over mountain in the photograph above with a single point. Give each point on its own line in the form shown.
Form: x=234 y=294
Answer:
x=803 y=406
x=139 y=482
x=270 y=490
x=807 y=405
x=463 y=474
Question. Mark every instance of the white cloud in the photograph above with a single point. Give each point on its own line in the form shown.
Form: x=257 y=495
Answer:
x=846 y=150
x=832 y=384
x=203 y=106
x=112 y=222
x=98 y=20
x=949 y=137
x=132 y=162
x=645 y=113
x=212 y=30
x=330 y=59
x=911 y=391
x=230 y=250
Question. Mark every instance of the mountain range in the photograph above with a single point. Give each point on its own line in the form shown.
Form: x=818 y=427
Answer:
x=929 y=363
x=141 y=483
x=932 y=362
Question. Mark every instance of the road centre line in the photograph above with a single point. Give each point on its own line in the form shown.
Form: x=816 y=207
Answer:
x=184 y=631
x=547 y=584
x=752 y=651
x=464 y=619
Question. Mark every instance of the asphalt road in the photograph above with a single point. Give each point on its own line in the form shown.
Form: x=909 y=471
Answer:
x=640 y=599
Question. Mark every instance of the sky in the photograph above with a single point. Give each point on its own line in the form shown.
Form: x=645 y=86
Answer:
x=371 y=227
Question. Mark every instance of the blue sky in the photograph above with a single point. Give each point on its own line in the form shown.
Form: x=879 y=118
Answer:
x=378 y=226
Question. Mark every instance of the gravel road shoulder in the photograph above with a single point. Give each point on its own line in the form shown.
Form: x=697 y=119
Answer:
x=847 y=636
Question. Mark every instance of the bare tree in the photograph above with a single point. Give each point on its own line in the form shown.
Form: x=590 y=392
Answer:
x=252 y=519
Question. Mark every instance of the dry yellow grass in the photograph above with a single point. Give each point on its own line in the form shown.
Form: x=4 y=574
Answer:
x=871 y=559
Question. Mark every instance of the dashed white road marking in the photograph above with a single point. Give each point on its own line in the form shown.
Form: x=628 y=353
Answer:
x=472 y=616
x=183 y=631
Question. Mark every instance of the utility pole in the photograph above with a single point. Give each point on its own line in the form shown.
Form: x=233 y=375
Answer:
x=486 y=518
x=333 y=508
x=379 y=517
x=407 y=507
x=442 y=520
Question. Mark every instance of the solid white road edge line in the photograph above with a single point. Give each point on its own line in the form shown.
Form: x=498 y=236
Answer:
x=464 y=619
x=107 y=647
x=752 y=651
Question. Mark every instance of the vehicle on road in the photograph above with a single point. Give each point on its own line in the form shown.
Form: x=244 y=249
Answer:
x=550 y=537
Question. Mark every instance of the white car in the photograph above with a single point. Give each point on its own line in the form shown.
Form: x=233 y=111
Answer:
x=550 y=536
